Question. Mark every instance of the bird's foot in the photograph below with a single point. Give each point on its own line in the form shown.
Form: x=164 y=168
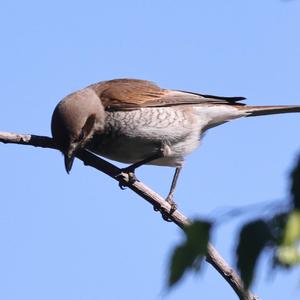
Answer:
x=131 y=176
x=167 y=215
x=172 y=203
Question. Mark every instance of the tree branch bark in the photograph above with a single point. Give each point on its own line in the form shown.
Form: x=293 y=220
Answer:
x=90 y=159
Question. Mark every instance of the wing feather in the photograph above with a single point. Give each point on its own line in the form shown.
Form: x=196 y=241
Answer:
x=130 y=94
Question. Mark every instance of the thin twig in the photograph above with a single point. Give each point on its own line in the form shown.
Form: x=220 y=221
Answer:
x=213 y=257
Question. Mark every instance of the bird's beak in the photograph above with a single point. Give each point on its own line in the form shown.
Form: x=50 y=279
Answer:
x=69 y=158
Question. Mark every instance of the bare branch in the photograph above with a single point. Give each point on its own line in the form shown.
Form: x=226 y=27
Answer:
x=90 y=159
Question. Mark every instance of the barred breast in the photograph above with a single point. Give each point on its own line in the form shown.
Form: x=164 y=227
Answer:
x=131 y=136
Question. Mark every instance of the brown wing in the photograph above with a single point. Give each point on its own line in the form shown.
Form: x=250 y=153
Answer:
x=129 y=94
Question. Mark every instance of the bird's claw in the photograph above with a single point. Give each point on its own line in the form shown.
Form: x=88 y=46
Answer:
x=122 y=186
x=131 y=177
x=166 y=215
x=172 y=203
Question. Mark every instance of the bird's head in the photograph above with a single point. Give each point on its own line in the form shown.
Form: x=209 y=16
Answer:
x=75 y=120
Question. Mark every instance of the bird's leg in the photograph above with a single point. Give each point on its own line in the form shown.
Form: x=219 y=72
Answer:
x=170 y=196
x=131 y=169
x=169 y=199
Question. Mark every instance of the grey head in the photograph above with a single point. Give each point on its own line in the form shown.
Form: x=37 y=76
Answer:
x=75 y=120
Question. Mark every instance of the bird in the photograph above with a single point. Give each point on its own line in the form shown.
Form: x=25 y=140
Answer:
x=136 y=122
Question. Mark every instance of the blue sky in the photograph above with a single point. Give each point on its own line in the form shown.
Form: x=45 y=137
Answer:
x=79 y=236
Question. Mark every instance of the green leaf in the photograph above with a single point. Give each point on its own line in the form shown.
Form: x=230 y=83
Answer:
x=253 y=238
x=190 y=253
x=288 y=253
x=198 y=235
x=295 y=187
x=182 y=258
x=292 y=228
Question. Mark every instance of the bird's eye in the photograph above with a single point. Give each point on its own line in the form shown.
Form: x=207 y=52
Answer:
x=81 y=136
x=86 y=129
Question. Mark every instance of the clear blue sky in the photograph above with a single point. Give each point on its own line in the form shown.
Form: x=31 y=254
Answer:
x=79 y=236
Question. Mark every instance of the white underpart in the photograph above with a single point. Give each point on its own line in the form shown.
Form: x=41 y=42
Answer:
x=217 y=114
x=138 y=134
